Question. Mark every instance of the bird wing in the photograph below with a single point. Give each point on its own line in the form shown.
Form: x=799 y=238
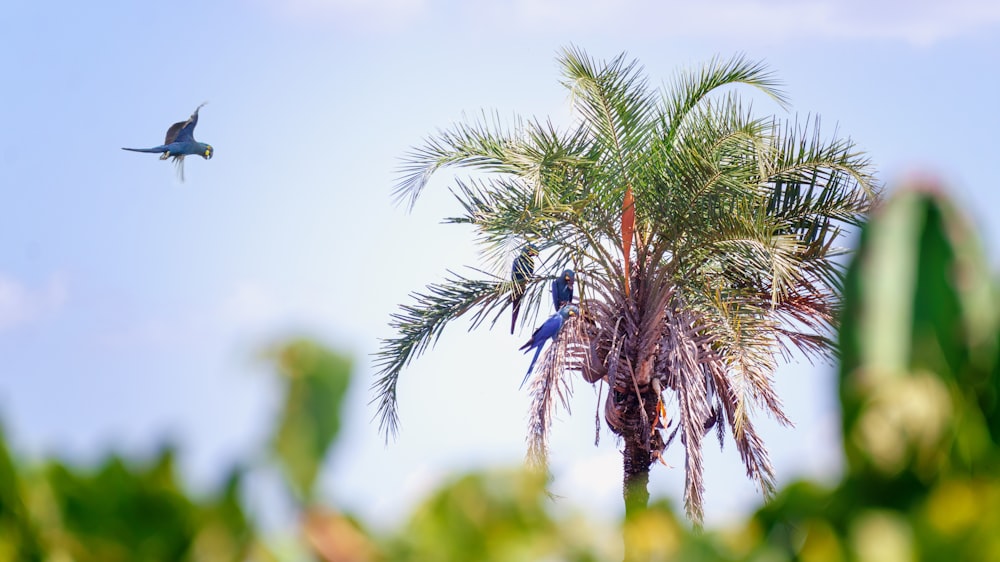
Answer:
x=518 y=278
x=548 y=329
x=173 y=130
x=523 y=268
x=531 y=341
x=183 y=131
x=540 y=334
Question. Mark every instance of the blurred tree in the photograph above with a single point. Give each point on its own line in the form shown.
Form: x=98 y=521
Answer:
x=18 y=535
x=127 y=511
x=120 y=512
x=495 y=516
x=918 y=386
x=316 y=381
x=919 y=381
x=727 y=263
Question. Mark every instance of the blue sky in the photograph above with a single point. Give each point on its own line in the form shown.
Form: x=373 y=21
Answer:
x=133 y=307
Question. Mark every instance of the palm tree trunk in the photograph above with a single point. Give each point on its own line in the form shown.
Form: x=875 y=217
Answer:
x=635 y=487
x=636 y=476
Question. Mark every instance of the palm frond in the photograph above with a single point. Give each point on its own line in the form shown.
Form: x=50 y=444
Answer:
x=533 y=151
x=484 y=145
x=504 y=209
x=744 y=334
x=690 y=89
x=805 y=323
x=772 y=258
x=551 y=388
x=418 y=326
x=711 y=171
x=686 y=357
x=749 y=444
x=616 y=109
x=802 y=155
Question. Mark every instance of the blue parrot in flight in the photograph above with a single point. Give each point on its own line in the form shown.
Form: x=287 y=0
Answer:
x=562 y=289
x=548 y=330
x=523 y=268
x=180 y=143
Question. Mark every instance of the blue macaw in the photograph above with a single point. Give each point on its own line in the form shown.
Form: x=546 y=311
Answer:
x=562 y=289
x=523 y=268
x=548 y=330
x=180 y=143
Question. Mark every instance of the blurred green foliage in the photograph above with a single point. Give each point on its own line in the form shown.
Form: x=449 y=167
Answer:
x=18 y=536
x=919 y=384
x=316 y=382
x=496 y=516
x=119 y=511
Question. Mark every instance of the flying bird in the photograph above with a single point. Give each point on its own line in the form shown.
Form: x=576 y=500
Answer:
x=562 y=289
x=523 y=268
x=548 y=330
x=180 y=143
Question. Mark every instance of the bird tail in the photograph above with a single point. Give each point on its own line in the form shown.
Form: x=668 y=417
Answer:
x=152 y=150
x=538 y=351
x=513 y=316
x=179 y=163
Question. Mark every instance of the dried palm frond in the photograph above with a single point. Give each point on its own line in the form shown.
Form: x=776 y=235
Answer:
x=552 y=387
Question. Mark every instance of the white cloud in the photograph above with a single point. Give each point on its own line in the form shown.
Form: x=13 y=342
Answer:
x=918 y=22
x=377 y=15
x=20 y=304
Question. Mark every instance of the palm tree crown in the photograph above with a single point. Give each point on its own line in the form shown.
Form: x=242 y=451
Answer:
x=730 y=263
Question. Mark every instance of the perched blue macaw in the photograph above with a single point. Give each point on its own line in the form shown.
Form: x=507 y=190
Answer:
x=562 y=289
x=548 y=330
x=523 y=268
x=180 y=143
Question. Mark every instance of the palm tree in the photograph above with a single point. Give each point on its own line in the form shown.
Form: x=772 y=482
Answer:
x=732 y=266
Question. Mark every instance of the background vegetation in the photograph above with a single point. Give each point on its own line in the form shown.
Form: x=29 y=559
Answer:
x=919 y=386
